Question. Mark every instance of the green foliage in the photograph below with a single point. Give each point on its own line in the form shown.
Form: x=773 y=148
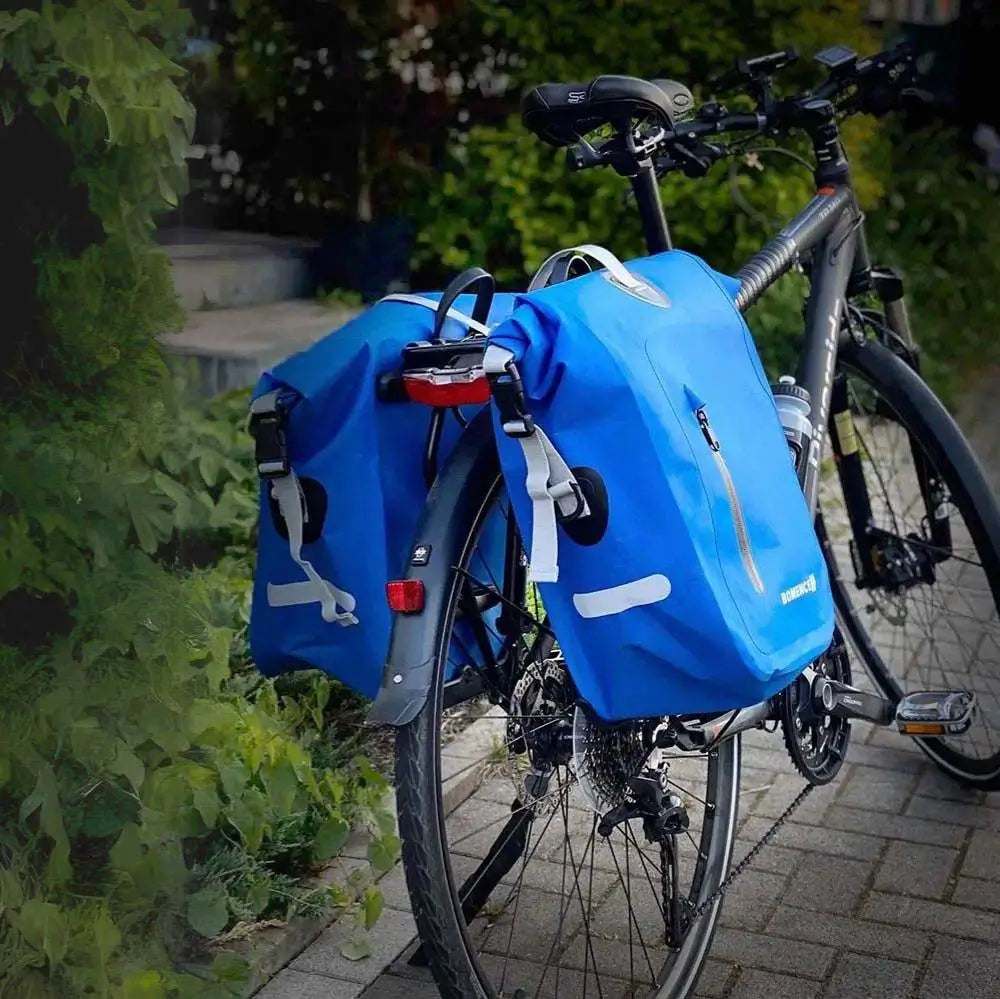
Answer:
x=101 y=69
x=135 y=770
x=940 y=225
x=504 y=200
x=156 y=797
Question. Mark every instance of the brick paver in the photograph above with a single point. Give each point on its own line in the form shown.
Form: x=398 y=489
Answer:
x=887 y=883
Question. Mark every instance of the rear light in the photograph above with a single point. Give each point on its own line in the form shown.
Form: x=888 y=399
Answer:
x=405 y=596
x=446 y=387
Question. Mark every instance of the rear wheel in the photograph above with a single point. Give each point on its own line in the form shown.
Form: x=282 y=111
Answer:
x=921 y=609
x=515 y=890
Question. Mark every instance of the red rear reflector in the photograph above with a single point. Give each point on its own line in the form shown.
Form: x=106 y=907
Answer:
x=447 y=387
x=405 y=596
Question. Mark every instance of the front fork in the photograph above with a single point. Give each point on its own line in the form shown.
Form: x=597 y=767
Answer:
x=847 y=446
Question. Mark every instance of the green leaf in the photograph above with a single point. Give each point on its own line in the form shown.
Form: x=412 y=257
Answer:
x=208 y=911
x=46 y=797
x=171 y=488
x=7 y=110
x=371 y=907
x=11 y=892
x=106 y=809
x=205 y=715
x=44 y=927
x=230 y=969
x=167 y=192
x=128 y=854
x=206 y=801
x=356 y=948
x=330 y=838
x=258 y=897
x=247 y=815
x=144 y=985
x=234 y=776
x=209 y=465
x=61 y=103
x=282 y=786
x=217 y=667
x=107 y=936
x=128 y=765
x=383 y=853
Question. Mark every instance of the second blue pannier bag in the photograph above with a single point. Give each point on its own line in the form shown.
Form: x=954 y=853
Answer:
x=693 y=582
x=339 y=521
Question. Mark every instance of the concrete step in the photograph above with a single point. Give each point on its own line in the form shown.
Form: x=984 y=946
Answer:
x=225 y=270
x=231 y=347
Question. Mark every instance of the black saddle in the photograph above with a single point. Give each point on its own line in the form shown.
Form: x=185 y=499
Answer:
x=560 y=113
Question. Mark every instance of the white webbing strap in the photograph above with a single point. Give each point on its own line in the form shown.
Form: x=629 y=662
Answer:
x=549 y=482
x=550 y=485
x=603 y=256
x=429 y=303
x=288 y=494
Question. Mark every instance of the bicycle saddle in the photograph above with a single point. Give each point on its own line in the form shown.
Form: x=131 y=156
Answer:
x=560 y=113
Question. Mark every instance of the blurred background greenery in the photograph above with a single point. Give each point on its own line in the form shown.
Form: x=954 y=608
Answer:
x=158 y=799
x=390 y=131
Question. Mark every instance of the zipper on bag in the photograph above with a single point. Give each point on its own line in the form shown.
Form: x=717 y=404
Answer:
x=735 y=507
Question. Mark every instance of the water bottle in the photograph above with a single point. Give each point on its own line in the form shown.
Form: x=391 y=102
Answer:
x=793 y=409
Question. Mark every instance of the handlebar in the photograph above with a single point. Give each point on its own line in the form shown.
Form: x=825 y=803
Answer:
x=874 y=85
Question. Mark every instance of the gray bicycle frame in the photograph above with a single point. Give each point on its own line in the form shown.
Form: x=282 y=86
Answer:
x=830 y=229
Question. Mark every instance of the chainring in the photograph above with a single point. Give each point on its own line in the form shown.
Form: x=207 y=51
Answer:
x=816 y=742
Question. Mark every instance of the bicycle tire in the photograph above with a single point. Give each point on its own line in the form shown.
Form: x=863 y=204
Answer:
x=931 y=426
x=427 y=859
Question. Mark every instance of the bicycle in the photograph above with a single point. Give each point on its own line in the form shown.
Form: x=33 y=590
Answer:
x=652 y=804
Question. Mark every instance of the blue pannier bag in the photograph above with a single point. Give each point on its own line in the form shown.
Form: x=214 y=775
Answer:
x=343 y=483
x=651 y=481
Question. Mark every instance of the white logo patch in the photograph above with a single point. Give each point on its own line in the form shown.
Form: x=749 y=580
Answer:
x=808 y=585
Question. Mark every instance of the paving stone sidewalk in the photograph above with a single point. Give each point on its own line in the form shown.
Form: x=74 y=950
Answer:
x=884 y=884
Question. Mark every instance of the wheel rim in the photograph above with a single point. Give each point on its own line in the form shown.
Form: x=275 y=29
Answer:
x=944 y=635
x=577 y=914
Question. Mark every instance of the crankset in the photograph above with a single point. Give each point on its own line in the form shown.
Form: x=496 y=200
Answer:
x=817 y=708
x=816 y=739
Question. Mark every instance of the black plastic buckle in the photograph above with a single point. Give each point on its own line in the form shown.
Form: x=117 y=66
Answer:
x=267 y=426
x=508 y=393
x=577 y=512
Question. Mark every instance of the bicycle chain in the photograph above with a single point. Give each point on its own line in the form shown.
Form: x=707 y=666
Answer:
x=748 y=859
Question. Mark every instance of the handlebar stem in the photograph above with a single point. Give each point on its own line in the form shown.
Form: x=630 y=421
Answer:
x=816 y=117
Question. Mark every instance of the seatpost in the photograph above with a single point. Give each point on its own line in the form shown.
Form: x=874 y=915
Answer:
x=647 y=197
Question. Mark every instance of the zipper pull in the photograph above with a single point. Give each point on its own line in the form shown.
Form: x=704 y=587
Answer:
x=706 y=428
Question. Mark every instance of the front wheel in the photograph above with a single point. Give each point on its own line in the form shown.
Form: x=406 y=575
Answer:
x=515 y=889
x=917 y=576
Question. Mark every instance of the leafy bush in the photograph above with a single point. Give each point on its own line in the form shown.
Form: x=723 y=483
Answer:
x=155 y=795
x=940 y=225
x=505 y=201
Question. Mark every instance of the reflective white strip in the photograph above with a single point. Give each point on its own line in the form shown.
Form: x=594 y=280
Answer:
x=617 y=599
x=549 y=483
x=288 y=494
x=429 y=303
x=298 y=594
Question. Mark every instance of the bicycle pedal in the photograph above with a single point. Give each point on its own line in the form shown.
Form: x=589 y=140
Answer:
x=935 y=713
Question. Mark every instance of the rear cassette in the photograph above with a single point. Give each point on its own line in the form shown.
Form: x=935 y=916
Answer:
x=816 y=741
